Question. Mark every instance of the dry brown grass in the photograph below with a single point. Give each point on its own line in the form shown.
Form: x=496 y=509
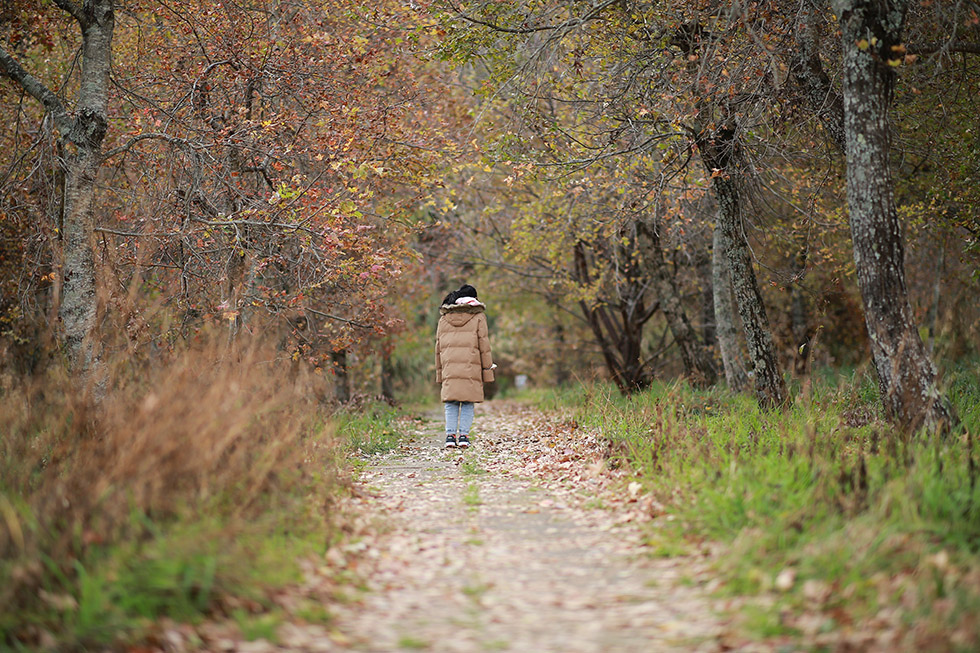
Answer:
x=212 y=429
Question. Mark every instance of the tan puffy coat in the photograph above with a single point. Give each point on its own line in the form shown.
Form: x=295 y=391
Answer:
x=463 y=360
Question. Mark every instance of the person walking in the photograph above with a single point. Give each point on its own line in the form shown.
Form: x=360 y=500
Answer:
x=463 y=360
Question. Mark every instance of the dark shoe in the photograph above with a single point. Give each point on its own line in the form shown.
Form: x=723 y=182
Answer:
x=462 y=441
x=450 y=440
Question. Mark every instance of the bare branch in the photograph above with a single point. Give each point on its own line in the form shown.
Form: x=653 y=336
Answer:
x=338 y=319
x=150 y=135
x=36 y=89
x=287 y=226
x=571 y=22
x=76 y=11
x=944 y=46
x=135 y=234
x=607 y=153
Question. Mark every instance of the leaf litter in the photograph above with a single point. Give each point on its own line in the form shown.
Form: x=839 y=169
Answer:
x=535 y=566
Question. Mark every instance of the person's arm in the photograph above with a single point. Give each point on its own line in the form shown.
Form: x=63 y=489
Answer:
x=483 y=341
x=438 y=357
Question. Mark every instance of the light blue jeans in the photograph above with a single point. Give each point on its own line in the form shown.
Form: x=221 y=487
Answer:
x=459 y=417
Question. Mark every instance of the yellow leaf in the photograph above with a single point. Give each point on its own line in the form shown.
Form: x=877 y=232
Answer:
x=862 y=44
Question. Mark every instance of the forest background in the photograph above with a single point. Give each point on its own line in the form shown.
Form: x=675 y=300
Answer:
x=223 y=222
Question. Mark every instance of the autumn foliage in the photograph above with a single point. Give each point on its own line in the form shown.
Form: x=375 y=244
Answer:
x=260 y=168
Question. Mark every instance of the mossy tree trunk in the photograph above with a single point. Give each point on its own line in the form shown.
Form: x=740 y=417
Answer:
x=719 y=154
x=872 y=38
x=725 y=328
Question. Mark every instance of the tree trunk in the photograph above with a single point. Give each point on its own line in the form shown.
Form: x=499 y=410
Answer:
x=720 y=157
x=937 y=286
x=799 y=316
x=705 y=279
x=697 y=363
x=813 y=81
x=725 y=330
x=82 y=133
x=618 y=329
x=906 y=374
x=78 y=300
x=559 y=347
x=341 y=376
x=387 y=375
x=800 y=329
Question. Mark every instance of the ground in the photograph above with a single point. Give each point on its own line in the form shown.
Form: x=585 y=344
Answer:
x=526 y=541
x=532 y=540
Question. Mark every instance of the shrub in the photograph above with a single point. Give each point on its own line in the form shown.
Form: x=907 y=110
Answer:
x=157 y=499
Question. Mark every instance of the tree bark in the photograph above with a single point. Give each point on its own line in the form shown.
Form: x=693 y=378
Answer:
x=799 y=328
x=810 y=76
x=725 y=330
x=705 y=279
x=387 y=374
x=933 y=317
x=341 y=376
x=697 y=363
x=83 y=132
x=799 y=315
x=906 y=374
x=78 y=301
x=720 y=157
x=559 y=346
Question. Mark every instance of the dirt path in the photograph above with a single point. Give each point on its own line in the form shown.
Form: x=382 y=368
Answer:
x=524 y=542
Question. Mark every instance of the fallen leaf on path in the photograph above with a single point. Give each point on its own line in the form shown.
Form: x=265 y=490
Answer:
x=785 y=579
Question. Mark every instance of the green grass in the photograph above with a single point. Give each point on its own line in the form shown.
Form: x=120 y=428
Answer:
x=412 y=643
x=475 y=591
x=471 y=496
x=175 y=571
x=313 y=612
x=472 y=467
x=258 y=626
x=826 y=487
x=370 y=430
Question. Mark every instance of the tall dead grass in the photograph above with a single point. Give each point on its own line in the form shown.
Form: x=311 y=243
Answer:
x=214 y=430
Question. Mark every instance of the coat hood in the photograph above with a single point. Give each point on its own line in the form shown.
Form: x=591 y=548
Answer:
x=462 y=311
